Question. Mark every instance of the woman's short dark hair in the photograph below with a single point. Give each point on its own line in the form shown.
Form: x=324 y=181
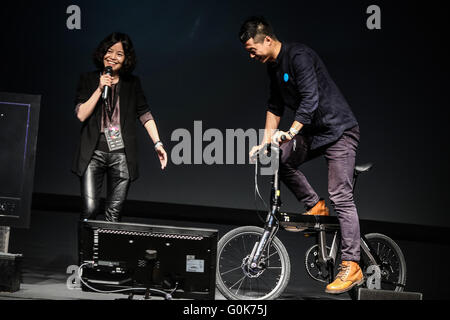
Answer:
x=256 y=27
x=130 y=56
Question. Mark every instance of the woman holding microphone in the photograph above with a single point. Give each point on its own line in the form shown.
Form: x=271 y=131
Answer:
x=108 y=101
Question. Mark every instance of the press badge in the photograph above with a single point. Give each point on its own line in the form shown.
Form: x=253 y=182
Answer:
x=114 y=138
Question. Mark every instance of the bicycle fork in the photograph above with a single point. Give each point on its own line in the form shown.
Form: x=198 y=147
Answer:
x=261 y=246
x=271 y=225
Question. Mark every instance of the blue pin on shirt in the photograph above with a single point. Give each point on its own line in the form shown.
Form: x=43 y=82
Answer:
x=286 y=77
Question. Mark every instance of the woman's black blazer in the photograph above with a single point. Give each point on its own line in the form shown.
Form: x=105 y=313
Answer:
x=132 y=105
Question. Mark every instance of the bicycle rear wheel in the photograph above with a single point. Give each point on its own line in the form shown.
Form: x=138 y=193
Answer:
x=236 y=281
x=393 y=264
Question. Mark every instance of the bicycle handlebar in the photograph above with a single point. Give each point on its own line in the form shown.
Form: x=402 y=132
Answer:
x=266 y=147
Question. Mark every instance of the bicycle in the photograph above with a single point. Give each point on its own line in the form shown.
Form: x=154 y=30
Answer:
x=252 y=263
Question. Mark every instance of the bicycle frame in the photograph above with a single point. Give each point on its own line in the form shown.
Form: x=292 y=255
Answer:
x=320 y=259
x=271 y=227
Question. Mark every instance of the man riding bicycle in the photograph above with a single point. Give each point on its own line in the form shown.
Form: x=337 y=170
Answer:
x=324 y=125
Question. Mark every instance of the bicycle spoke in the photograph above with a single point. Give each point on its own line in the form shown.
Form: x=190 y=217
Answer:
x=262 y=280
x=242 y=279
x=240 y=285
x=240 y=257
x=269 y=256
x=392 y=269
x=257 y=284
x=393 y=283
x=236 y=249
x=230 y=270
x=258 y=290
x=387 y=253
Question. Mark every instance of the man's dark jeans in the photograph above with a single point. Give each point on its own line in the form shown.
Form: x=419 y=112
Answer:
x=340 y=157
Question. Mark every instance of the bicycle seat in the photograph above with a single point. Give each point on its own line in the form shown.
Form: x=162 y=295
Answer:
x=363 y=168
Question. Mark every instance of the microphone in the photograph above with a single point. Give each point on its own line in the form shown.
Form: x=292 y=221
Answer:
x=106 y=89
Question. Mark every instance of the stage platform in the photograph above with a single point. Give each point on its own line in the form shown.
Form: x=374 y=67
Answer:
x=49 y=248
x=51 y=285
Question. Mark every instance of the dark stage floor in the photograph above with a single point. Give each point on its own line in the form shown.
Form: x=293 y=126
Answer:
x=49 y=247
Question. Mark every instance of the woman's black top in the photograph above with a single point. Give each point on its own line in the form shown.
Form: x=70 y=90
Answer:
x=133 y=104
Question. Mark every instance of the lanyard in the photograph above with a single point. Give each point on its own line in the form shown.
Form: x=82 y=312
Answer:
x=110 y=103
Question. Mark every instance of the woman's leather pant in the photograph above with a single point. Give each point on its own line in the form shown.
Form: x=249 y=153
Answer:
x=114 y=165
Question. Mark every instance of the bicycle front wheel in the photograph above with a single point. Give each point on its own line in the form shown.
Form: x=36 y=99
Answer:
x=236 y=281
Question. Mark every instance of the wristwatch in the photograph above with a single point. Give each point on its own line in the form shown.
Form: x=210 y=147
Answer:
x=158 y=143
x=292 y=132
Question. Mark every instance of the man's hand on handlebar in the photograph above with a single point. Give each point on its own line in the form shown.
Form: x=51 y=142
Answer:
x=256 y=150
x=278 y=138
x=281 y=137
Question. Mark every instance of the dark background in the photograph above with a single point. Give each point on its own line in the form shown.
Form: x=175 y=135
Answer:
x=193 y=67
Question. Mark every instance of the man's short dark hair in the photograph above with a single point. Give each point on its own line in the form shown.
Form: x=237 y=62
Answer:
x=130 y=56
x=256 y=27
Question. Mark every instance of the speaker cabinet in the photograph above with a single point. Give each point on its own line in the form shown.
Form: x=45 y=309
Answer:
x=185 y=258
x=19 y=119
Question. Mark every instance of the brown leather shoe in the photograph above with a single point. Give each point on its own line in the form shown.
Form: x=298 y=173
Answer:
x=350 y=275
x=319 y=209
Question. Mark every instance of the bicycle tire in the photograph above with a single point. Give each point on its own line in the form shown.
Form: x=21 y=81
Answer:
x=400 y=261
x=276 y=244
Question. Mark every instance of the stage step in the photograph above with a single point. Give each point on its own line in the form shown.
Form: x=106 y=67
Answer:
x=10 y=272
x=371 y=294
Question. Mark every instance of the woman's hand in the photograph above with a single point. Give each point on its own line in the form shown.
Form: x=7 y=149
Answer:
x=162 y=155
x=105 y=80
